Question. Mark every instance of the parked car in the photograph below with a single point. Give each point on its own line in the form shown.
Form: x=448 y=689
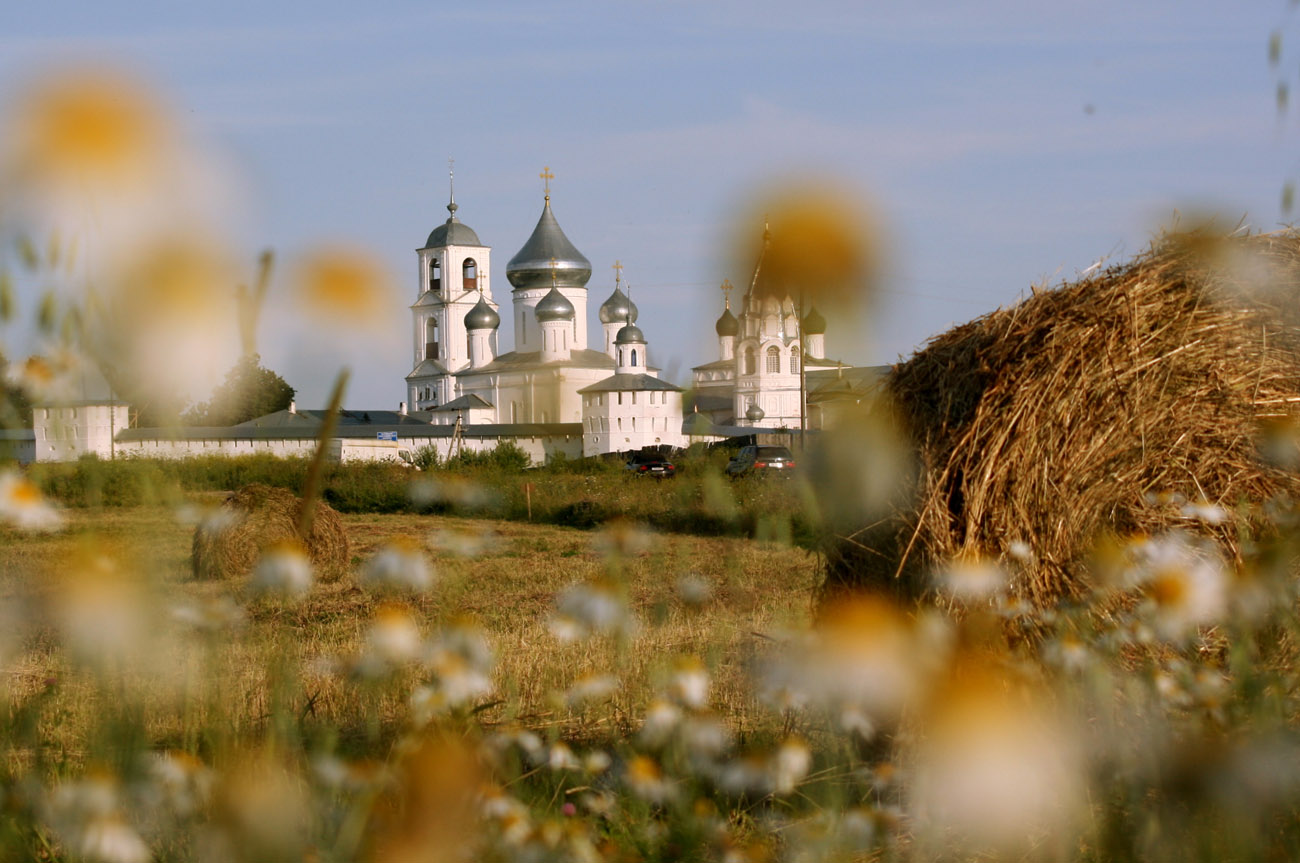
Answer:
x=761 y=460
x=651 y=464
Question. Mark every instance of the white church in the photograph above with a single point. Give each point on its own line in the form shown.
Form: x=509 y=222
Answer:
x=552 y=395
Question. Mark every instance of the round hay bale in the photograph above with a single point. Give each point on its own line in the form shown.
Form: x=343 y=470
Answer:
x=228 y=544
x=1086 y=409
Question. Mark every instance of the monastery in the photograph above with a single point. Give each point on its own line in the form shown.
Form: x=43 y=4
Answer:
x=553 y=394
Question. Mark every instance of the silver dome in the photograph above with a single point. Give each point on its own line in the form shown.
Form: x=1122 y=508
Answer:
x=482 y=317
x=531 y=265
x=554 y=307
x=754 y=413
x=452 y=232
x=630 y=334
x=618 y=308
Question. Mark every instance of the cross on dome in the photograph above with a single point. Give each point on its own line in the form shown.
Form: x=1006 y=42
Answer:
x=547 y=176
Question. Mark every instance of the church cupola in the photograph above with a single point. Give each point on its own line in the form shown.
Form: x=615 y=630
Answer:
x=554 y=315
x=630 y=350
x=548 y=259
x=617 y=311
x=481 y=324
x=727 y=326
x=813 y=330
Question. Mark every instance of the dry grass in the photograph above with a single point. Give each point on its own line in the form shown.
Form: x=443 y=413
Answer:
x=228 y=543
x=1081 y=410
x=229 y=682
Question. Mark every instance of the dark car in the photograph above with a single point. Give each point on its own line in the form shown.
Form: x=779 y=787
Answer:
x=761 y=460
x=651 y=464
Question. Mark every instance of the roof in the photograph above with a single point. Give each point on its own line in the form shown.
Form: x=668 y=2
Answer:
x=482 y=316
x=531 y=265
x=624 y=382
x=428 y=298
x=469 y=401
x=584 y=358
x=426 y=368
x=717 y=364
x=630 y=334
x=452 y=232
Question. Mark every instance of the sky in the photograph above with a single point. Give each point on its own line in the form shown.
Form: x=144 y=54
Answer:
x=996 y=144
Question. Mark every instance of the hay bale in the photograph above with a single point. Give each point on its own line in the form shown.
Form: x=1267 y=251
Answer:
x=1071 y=413
x=228 y=544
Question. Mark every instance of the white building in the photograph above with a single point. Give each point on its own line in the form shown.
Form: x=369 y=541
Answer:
x=755 y=382
x=551 y=376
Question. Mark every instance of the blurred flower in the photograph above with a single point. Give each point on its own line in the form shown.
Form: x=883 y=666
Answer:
x=184 y=782
x=693 y=590
x=460 y=660
x=262 y=807
x=283 y=570
x=86 y=126
x=622 y=538
x=23 y=506
x=88 y=815
x=591 y=687
x=595 y=608
x=789 y=765
x=343 y=285
x=439 y=812
x=209 y=615
x=660 y=722
x=101 y=610
x=393 y=637
x=995 y=767
x=1185 y=582
x=646 y=780
x=561 y=757
x=48 y=379
x=704 y=737
x=464 y=543
x=689 y=684
x=398 y=566
x=973 y=579
x=1204 y=511
x=1068 y=652
x=351 y=776
x=1020 y=551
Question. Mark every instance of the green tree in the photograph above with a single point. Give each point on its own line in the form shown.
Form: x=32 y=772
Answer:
x=15 y=406
x=248 y=391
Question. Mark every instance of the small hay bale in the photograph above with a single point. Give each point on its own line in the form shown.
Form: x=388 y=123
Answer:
x=228 y=544
x=1080 y=410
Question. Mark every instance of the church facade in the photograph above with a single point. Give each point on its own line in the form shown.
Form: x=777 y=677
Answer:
x=461 y=375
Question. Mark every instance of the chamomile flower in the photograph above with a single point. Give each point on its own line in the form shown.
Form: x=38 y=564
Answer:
x=23 y=506
x=399 y=566
x=644 y=777
x=973 y=580
x=689 y=684
x=283 y=570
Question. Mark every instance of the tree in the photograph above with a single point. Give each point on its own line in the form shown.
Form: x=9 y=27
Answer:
x=248 y=391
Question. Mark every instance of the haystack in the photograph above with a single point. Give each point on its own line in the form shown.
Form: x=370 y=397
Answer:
x=1094 y=408
x=256 y=516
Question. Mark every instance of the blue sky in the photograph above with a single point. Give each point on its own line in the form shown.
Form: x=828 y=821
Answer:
x=999 y=144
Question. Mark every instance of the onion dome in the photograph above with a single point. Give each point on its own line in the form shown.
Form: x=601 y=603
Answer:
x=554 y=307
x=532 y=265
x=482 y=317
x=619 y=307
x=630 y=334
x=813 y=323
x=754 y=413
x=453 y=232
x=727 y=325
x=770 y=306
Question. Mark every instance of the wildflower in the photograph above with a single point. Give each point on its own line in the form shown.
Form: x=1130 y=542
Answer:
x=689 y=684
x=1020 y=551
x=865 y=652
x=595 y=762
x=1185 y=582
x=693 y=590
x=88 y=815
x=342 y=775
x=705 y=737
x=646 y=780
x=393 y=637
x=23 y=506
x=789 y=765
x=184 y=781
x=283 y=570
x=591 y=687
x=660 y=721
x=623 y=539
x=464 y=543
x=343 y=285
x=1068 y=652
x=585 y=609
x=209 y=615
x=111 y=840
x=994 y=765
x=101 y=611
x=561 y=757
x=1204 y=511
x=398 y=566
x=747 y=774
x=973 y=580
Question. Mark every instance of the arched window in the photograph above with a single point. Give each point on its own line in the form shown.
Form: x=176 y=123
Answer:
x=431 y=339
x=751 y=361
x=435 y=274
x=634 y=356
x=773 y=360
x=470 y=272
x=794 y=360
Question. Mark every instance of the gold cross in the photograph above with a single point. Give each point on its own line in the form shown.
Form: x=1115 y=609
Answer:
x=618 y=273
x=548 y=177
x=727 y=288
